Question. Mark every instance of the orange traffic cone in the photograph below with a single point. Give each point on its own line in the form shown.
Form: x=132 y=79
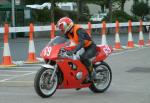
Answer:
x=104 y=41
x=141 y=38
x=52 y=32
x=130 y=39
x=149 y=37
x=31 y=54
x=89 y=28
x=117 y=38
x=7 y=59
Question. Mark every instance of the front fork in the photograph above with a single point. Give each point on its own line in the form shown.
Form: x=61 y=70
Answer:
x=53 y=74
x=54 y=67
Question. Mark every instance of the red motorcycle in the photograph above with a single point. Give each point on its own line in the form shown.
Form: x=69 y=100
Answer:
x=62 y=71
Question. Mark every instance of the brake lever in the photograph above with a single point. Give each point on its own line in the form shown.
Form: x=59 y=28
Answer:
x=63 y=49
x=64 y=54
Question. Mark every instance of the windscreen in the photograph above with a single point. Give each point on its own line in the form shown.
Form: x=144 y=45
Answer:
x=57 y=40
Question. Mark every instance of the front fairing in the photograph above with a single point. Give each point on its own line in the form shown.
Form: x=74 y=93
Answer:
x=51 y=51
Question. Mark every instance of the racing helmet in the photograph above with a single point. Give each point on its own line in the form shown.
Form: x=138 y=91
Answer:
x=65 y=24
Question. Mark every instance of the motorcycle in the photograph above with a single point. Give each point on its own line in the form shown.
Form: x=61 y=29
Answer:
x=62 y=71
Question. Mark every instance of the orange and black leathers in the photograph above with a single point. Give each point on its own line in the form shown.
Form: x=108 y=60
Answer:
x=83 y=40
x=80 y=37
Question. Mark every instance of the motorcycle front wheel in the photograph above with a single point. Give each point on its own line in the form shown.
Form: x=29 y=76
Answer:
x=42 y=84
x=103 y=78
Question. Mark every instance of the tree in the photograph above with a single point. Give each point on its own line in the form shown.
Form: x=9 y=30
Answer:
x=81 y=9
x=81 y=5
x=53 y=5
x=102 y=3
x=28 y=2
x=140 y=9
x=122 y=2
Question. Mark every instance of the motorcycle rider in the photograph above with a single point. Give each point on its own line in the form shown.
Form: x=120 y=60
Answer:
x=82 y=39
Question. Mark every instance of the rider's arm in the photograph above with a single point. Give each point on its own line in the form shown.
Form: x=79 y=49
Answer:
x=82 y=36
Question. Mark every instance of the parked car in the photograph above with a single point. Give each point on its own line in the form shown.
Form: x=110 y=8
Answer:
x=98 y=17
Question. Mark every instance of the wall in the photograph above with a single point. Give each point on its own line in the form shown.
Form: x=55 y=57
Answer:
x=127 y=6
x=94 y=9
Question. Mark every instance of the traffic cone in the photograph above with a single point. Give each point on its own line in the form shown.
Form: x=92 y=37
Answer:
x=104 y=41
x=31 y=53
x=141 y=38
x=89 y=28
x=52 y=32
x=148 y=43
x=117 y=38
x=7 y=59
x=130 y=43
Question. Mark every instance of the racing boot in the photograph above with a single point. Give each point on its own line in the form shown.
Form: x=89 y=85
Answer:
x=92 y=74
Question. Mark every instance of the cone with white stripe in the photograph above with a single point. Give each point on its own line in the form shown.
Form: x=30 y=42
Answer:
x=104 y=41
x=89 y=28
x=117 y=38
x=31 y=54
x=130 y=43
x=141 y=38
x=149 y=37
x=52 y=32
x=7 y=59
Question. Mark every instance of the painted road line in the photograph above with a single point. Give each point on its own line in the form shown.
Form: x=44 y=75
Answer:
x=17 y=76
x=33 y=64
x=16 y=71
x=5 y=75
x=22 y=63
x=18 y=81
x=25 y=67
x=128 y=50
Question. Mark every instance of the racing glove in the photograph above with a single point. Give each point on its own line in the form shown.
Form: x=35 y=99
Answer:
x=70 y=52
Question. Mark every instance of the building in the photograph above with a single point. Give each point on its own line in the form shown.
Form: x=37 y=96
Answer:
x=94 y=9
x=68 y=6
x=65 y=6
x=6 y=12
x=129 y=3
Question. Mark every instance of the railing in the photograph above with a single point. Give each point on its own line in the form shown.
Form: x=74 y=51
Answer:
x=7 y=60
x=85 y=26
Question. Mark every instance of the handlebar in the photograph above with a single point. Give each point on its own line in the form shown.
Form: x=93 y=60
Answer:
x=63 y=54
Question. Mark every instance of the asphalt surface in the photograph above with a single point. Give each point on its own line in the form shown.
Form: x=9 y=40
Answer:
x=130 y=82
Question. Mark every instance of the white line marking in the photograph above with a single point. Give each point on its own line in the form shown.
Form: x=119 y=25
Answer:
x=5 y=75
x=18 y=82
x=16 y=71
x=22 y=63
x=17 y=76
x=25 y=67
x=129 y=50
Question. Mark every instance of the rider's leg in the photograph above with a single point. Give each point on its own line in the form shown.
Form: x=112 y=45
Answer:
x=89 y=53
x=85 y=61
x=88 y=65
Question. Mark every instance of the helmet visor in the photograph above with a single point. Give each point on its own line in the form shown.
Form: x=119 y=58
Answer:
x=61 y=27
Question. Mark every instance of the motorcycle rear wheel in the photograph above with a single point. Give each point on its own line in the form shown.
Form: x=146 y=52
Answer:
x=103 y=78
x=42 y=84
